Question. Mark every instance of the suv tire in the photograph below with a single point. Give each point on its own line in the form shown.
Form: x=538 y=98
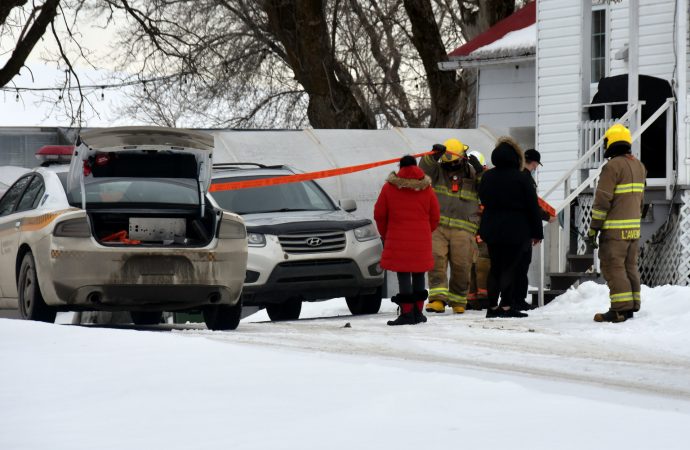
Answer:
x=288 y=310
x=365 y=303
x=31 y=303
x=146 y=317
x=223 y=317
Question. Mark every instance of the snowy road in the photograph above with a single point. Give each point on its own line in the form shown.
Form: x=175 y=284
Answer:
x=532 y=346
x=553 y=380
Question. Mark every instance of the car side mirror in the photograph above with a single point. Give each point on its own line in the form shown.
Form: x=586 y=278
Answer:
x=348 y=205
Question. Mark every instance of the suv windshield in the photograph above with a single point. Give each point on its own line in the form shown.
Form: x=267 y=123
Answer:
x=302 y=196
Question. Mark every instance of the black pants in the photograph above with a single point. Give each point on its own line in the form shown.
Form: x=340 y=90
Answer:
x=505 y=263
x=409 y=282
x=521 y=278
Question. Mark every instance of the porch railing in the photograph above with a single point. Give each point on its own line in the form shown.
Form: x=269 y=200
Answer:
x=589 y=164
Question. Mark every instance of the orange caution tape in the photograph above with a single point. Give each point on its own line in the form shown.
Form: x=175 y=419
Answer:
x=244 y=184
x=546 y=207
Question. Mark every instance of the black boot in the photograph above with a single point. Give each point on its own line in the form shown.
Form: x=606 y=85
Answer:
x=513 y=312
x=409 y=318
x=611 y=316
x=420 y=297
x=404 y=319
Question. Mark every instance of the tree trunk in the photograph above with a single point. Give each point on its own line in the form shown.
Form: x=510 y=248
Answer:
x=444 y=86
x=300 y=25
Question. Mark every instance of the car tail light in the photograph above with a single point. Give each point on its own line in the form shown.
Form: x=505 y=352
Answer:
x=230 y=229
x=77 y=228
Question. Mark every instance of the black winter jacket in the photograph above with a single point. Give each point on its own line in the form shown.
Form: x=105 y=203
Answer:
x=511 y=211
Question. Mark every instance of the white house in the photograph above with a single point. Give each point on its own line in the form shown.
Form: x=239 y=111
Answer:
x=569 y=46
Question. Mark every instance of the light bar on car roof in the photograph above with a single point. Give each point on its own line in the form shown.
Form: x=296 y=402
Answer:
x=55 y=153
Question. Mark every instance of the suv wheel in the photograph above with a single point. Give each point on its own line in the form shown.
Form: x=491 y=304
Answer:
x=365 y=304
x=223 y=317
x=288 y=310
x=31 y=303
x=146 y=317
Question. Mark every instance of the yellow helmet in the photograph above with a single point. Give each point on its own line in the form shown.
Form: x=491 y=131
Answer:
x=454 y=150
x=479 y=156
x=617 y=133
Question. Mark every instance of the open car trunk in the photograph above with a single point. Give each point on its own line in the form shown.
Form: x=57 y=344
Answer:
x=144 y=186
x=151 y=228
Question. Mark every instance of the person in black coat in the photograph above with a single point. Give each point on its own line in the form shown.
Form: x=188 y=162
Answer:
x=511 y=223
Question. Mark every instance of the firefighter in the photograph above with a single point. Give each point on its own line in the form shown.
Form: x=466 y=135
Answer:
x=454 y=177
x=616 y=216
x=477 y=297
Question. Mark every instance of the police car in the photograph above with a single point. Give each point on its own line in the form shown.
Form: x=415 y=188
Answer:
x=126 y=226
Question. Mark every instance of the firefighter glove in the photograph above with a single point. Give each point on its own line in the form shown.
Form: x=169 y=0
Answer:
x=592 y=237
x=439 y=150
x=475 y=163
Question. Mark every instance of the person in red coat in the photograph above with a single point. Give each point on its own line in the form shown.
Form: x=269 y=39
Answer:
x=406 y=213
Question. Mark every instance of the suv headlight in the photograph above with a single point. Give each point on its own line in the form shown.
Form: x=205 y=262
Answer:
x=256 y=240
x=366 y=233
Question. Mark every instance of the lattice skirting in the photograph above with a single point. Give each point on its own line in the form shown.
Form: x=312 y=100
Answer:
x=665 y=257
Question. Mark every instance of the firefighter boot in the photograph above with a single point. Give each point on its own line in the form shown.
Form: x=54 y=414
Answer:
x=436 y=306
x=458 y=309
x=611 y=316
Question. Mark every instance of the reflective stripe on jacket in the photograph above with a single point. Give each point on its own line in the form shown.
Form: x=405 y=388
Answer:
x=460 y=208
x=619 y=198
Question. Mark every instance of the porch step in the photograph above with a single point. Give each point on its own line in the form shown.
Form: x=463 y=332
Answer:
x=549 y=294
x=580 y=263
x=561 y=281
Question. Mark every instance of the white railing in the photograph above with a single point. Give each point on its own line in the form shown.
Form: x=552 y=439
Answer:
x=586 y=159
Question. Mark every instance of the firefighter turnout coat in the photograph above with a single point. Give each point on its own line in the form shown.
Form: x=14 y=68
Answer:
x=617 y=213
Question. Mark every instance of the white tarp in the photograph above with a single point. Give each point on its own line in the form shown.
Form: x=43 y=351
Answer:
x=312 y=150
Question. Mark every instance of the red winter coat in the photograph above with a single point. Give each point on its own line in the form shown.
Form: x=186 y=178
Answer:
x=406 y=213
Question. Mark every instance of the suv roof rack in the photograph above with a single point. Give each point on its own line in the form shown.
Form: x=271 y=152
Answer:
x=241 y=164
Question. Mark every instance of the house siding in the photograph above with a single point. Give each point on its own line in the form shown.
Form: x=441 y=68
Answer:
x=656 y=45
x=559 y=65
x=506 y=96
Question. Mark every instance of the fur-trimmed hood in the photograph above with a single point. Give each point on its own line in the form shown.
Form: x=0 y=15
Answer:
x=508 y=154
x=410 y=177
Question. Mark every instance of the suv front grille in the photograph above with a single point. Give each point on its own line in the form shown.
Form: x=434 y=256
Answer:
x=313 y=242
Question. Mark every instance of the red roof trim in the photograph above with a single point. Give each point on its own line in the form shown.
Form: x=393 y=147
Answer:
x=516 y=21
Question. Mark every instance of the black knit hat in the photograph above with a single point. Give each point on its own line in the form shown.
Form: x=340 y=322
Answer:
x=407 y=160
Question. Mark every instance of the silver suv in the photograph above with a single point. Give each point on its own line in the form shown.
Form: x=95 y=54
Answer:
x=303 y=246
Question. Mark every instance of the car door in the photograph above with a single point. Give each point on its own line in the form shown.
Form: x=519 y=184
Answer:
x=10 y=224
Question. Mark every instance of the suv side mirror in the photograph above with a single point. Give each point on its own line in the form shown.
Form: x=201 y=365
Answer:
x=348 y=205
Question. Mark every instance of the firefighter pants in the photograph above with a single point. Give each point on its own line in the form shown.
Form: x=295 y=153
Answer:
x=619 y=268
x=480 y=272
x=457 y=247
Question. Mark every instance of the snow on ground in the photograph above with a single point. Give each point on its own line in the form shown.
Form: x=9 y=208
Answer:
x=553 y=380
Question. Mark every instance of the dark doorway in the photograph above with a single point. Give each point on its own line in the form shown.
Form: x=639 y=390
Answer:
x=654 y=91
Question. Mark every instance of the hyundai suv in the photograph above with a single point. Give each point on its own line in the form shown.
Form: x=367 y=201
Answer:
x=303 y=246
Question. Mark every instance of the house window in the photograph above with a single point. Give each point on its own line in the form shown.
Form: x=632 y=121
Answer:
x=598 y=44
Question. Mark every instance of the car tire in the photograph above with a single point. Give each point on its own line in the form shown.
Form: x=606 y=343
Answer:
x=146 y=317
x=289 y=310
x=223 y=317
x=31 y=303
x=365 y=304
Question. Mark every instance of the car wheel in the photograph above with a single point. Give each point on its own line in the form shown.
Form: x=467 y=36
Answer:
x=223 y=317
x=288 y=310
x=365 y=304
x=146 y=317
x=31 y=303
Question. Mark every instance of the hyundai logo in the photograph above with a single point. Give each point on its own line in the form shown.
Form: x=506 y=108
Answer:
x=314 y=242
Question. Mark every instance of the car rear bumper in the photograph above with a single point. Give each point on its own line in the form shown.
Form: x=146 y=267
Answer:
x=82 y=273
